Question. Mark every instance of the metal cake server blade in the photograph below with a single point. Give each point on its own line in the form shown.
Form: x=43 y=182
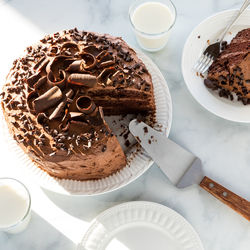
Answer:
x=193 y=175
x=182 y=167
x=179 y=165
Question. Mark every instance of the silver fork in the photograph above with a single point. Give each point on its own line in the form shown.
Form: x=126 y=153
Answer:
x=213 y=50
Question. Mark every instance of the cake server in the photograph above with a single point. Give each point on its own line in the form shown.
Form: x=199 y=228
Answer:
x=182 y=167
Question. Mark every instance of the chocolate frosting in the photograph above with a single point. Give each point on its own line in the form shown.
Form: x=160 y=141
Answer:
x=53 y=96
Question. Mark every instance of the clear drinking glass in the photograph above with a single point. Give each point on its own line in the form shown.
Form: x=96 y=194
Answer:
x=152 y=40
x=15 y=206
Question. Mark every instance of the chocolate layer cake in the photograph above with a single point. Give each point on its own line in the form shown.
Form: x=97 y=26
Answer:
x=230 y=72
x=55 y=97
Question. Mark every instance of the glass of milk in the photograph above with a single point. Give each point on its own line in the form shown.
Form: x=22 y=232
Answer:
x=152 y=22
x=15 y=206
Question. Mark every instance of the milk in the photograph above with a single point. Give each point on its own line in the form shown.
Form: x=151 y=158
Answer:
x=14 y=207
x=152 y=22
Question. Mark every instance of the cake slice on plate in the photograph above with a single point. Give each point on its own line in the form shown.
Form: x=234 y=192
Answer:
x=230 y=72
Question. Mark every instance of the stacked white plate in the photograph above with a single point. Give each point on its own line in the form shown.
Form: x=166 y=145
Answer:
x=140 y=225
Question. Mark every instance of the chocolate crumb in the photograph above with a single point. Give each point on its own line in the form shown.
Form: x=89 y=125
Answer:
x=138 y=139
x=127 y=143
x=104 y=148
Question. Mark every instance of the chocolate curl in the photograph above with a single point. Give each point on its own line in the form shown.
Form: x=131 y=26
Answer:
x=31 y=97
x=64 y=126
x=70 y=47
x=61 y=106
x=55 y=71
x=101 y=55
x=76 y=66
x=69 y=93
x=105 y=74
x=85 y=80
x=78 y=117
x=40 y=83
x=91 y=49
x=42 y=119
x=43 y=65
x=57 y=63
x=118 y=75
x=75 y=114
x=39 y=62
x=33 y=79
x=97 y=118
x=78 y=124
x=85 y=105
x=105 y=59
x=89 y=61
x=48 y=99
x=61 y=83
x=58 y=110
x=107 y=63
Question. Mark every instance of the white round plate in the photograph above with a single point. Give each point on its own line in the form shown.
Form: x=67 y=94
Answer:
x=138 y=162
x=140 y=225
x=196 y=43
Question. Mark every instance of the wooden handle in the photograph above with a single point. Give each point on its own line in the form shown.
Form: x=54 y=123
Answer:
x=231 y=199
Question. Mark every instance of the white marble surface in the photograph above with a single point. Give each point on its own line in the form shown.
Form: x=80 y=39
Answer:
x=58 y=222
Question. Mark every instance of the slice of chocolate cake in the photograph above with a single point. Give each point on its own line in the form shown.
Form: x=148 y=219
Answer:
x=55 y=96
x=230 y=72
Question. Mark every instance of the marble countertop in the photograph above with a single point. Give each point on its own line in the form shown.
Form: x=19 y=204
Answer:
x=59 y=222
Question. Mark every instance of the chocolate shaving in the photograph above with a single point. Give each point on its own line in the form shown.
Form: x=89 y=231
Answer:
x=85 y=80
x=85 y=105
x=48 y=99
x=54 y=51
